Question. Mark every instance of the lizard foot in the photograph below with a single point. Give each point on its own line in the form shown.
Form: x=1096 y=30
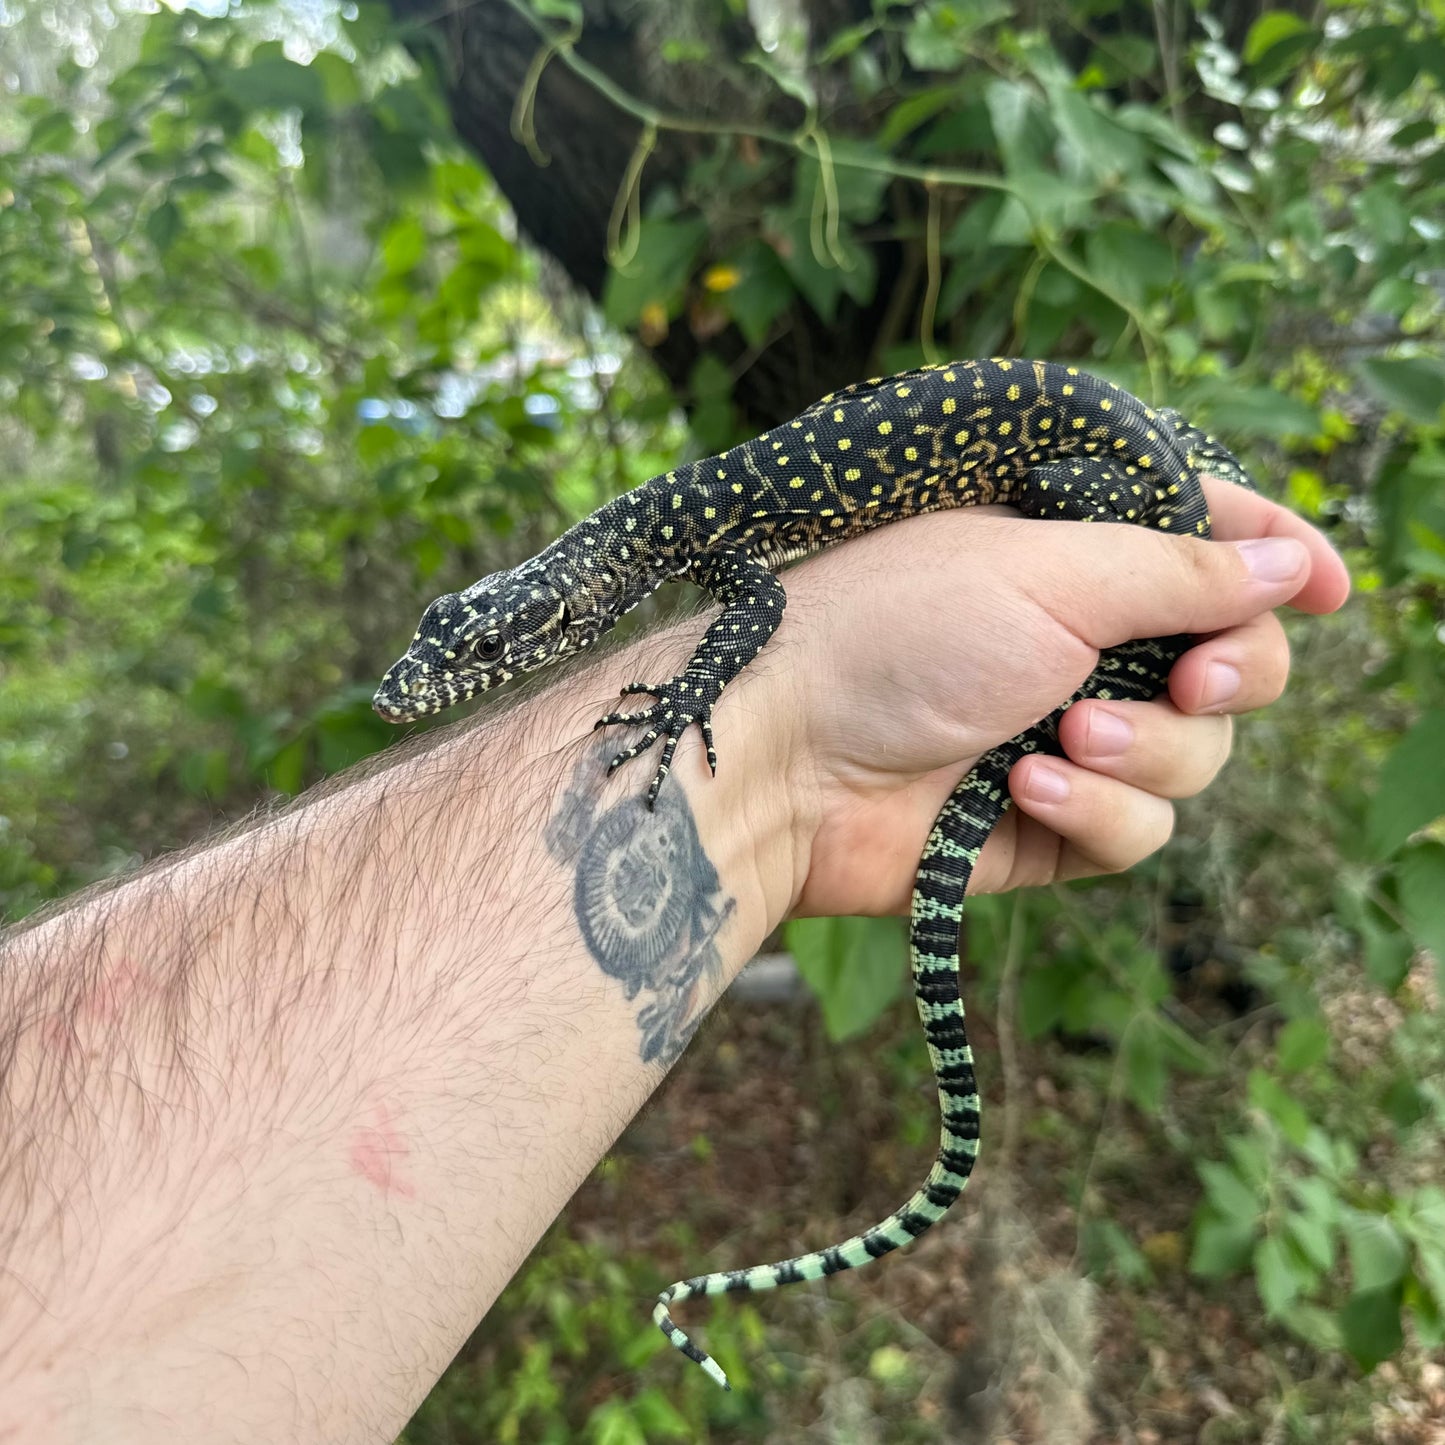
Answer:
x=681 y=702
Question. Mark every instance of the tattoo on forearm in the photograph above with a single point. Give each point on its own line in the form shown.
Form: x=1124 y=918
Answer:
x=648 y=901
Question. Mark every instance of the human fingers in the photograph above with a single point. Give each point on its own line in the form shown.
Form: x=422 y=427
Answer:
x=1237 y=513
x=1234 y=671
x=1150 y=584
x=1076 y=823
x=1147 y=745
x=1158 y=745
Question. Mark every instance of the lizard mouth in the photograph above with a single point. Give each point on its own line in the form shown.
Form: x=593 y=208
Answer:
x=403 y=699
x=386 y=709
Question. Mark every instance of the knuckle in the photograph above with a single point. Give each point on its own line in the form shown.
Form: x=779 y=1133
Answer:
x=1198 y=559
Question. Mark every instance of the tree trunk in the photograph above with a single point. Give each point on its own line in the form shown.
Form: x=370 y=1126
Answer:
x=488 y=53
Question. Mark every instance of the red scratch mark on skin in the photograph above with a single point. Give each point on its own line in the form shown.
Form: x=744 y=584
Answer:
x=108 y=996
x=101 y=1003
x=377 y=1153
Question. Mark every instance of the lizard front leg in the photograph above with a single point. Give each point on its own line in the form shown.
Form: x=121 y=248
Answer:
x=752 y=601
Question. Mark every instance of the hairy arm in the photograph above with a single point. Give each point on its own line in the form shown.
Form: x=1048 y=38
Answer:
x=280 y=1117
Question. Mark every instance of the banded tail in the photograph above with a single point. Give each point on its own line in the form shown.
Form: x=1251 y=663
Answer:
x=953 y=847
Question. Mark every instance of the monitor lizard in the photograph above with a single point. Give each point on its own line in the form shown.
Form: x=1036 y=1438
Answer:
x=1047 y=439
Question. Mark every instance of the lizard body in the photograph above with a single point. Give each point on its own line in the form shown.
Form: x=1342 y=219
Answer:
x=1048 y=439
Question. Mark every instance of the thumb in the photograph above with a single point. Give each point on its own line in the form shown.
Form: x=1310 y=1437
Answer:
x=1149 y=584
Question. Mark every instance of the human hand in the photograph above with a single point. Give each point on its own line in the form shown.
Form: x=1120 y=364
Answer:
x=930 y=641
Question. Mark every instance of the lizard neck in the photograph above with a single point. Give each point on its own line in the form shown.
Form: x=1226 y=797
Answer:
x=609 y=563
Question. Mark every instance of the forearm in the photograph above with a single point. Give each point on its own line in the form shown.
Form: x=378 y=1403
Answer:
x=280 y=1118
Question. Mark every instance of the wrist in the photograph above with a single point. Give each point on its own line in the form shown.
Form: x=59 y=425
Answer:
x=730 y=843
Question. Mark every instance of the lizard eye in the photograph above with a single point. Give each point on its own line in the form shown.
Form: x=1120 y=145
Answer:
x=489 y=647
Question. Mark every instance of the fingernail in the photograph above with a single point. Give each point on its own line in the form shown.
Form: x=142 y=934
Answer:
x=1047 y=784
x=1221 y=682
x=1271 y=559
x=1109 y=735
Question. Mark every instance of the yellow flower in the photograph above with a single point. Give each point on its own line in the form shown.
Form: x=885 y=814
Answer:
x=652 y=324
x=718 y=279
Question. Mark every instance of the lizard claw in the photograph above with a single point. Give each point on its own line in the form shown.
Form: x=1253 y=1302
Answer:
x=680 y=703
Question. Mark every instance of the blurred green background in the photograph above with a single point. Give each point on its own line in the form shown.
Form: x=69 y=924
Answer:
x=309 y=312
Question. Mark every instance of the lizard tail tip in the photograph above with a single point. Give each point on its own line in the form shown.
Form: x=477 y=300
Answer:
x=680 y=1340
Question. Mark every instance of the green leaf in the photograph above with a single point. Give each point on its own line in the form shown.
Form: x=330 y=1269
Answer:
x=1024 y=133
x=1144 y=1070
x=1384 y=212
x=338 y=80
x=1269 y=30
x=1302 y=1043
x=762 y=293
x=860 y=180
x=1254 y=410
x=1270 y=1096
x=1387 y=953
x=1413 y=385
x=1421 y=873
x=822 y=283
x=164 y=225
x=1232 y=1197
x=909 y=114
x=1129 y=262
x=659 y=1418
x=286 y=770
x=938 y=36
x=1425 y=1223
x=1316 y=1326
x=784 y=67
x=1428 y=1313
x=52 y=134
x=657 y=274
x=710 y=384
x=842 y=43
x=1370 y=1322
x=1313 y=1238
x=1042 y=201
x=613 y=1423
x=206 y=772
x=1091 y=139
x=272 y=82
x=1413 y=132
x=1042 y=995
x=1410 y=496
x=1403 y=1102
x=403 y=245
x=1318 y=1200
x=1411 y=789
x=1276 y=1275
x=1221 y=1246
x=855 y=966
x=1378 y=1255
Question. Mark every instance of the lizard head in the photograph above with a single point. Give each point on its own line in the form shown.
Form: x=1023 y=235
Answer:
x=500 y=627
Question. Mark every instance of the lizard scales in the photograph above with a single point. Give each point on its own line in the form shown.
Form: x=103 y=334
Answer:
x=1048 y=439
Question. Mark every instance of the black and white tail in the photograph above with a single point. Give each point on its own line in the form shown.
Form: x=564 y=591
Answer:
x=943 y=873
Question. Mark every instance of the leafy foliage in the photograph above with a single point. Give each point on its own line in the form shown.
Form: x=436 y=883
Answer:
x=575 y=1306
x=270 y=352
